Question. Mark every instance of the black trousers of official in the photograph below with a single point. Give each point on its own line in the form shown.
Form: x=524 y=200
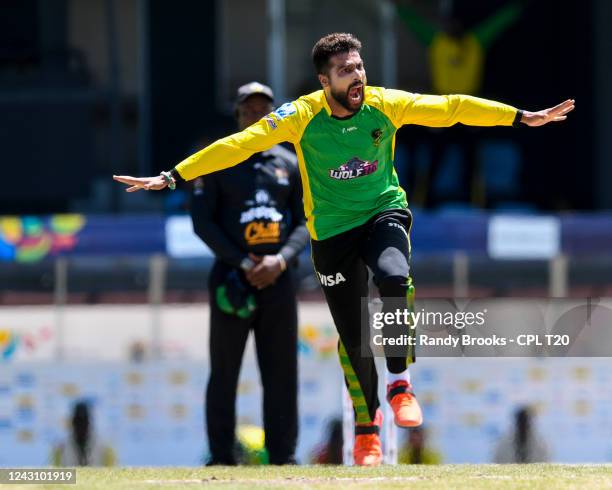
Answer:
x=274 y=324
x=383 y=245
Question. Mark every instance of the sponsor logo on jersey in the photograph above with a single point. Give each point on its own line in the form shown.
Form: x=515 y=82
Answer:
x=349 y=130
x=279 y=114
x=262 y=196
x=285 y=110
x=329 y=280
x=270 y=122
x=377 y=136
x=261 y=212
x=258 y=232
x=261 y=207
x=354 y=168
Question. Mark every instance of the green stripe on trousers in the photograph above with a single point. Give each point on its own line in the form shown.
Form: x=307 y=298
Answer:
x=362 y=415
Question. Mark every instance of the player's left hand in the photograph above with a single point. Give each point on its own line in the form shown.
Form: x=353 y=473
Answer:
x=553 y=114
x=265 y=271
x=147 y=183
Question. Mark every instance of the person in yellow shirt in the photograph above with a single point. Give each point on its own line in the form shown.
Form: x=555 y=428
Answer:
x=457 y=54
x=456 y=62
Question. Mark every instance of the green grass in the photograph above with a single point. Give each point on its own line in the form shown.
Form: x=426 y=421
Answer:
x=537 y=476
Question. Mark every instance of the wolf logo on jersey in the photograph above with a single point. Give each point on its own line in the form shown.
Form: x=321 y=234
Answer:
x=354 y=168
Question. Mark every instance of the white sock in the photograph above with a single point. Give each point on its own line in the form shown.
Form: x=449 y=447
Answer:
x=403 y=376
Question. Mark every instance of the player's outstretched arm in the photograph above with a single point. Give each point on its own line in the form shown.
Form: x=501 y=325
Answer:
x=553 y=114
x=281 y=125
x=146 y=183
x=447 y=110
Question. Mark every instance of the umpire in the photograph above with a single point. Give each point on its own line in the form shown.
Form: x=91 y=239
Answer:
x=252 y=218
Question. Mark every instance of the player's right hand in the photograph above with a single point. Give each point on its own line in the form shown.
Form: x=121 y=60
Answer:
x=147 y=183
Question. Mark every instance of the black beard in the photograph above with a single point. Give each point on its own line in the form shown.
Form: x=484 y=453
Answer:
x=343 y=99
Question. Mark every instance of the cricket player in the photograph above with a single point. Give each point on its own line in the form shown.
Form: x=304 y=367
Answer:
x=356 y=212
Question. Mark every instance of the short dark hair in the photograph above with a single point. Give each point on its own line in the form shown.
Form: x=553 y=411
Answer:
x=328 y=46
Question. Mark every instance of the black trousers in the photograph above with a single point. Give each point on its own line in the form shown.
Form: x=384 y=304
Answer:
x=341 y=263
x=274 y=324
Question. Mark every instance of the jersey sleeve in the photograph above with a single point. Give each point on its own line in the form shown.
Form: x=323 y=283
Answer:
x=445 y=110
x=284 y=124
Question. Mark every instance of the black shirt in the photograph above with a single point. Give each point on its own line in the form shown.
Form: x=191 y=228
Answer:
x=255 y=206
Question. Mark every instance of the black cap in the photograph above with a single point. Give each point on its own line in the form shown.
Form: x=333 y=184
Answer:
x=253 y=88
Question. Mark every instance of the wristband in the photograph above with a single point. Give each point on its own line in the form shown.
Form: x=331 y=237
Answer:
x=176 y=176
x=517 y=119
x=169 y=180
x=246 y=264
x=282 y=261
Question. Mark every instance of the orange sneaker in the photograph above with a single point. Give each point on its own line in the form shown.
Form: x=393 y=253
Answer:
x=367 y=450
x=404 y=404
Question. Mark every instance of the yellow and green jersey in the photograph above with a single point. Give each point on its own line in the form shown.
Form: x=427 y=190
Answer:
x=346 y=165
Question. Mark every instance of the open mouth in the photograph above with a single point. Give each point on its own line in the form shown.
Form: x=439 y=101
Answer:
x=355 y=93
